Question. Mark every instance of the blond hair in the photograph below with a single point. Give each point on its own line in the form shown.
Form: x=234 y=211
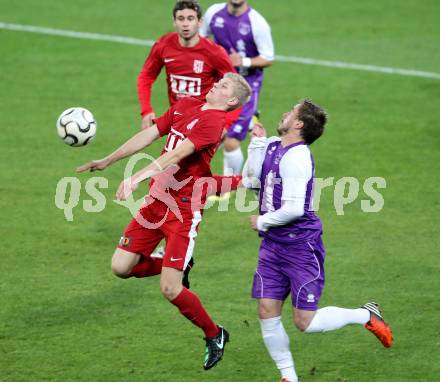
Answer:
x=242 y=90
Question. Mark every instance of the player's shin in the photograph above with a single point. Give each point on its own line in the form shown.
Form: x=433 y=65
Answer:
x=233 y=162
x=333 y=318
x=277 y=343
x=191 y=307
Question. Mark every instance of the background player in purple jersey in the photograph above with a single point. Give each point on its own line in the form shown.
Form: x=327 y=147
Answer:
x=291 y=256
x=246 y=36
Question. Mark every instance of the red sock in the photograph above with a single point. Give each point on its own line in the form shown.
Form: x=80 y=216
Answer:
x=236 y=179
x=146 y=267
x=191 y=307
x=227 y=183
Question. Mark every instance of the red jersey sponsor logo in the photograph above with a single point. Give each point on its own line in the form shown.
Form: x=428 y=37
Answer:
x=186 y=86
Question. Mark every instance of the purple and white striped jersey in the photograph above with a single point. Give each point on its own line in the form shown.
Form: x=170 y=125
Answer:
x=248 y=34
x=271 y=192
x=286 y=176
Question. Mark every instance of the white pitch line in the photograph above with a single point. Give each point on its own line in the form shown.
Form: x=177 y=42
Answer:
x=370 y=68
x=73 y=34
x=295 y=59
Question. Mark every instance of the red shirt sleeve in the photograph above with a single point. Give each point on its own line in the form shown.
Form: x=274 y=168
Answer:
x=150 y=70
x=206 y=132
x=232 y=116
x=165 y=121
x=222 y=62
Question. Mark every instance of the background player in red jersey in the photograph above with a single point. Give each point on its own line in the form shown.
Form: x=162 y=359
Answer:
x=194 y=132
x=192 y=63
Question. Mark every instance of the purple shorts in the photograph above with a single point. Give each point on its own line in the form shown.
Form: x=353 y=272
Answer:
x=240 y=128
x=297 y=269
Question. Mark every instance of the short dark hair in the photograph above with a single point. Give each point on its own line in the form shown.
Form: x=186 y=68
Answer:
x=314 y=118
x=188 y=4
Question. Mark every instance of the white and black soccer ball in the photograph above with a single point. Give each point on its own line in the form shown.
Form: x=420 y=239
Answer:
x=76 y=126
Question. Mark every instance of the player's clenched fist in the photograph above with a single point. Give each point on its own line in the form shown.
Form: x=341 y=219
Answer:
x=253 y=222
x=258 y=130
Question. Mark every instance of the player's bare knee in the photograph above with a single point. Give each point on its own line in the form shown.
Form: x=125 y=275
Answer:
x=123 y=262
x=266 y=310
x=121 y=273
x=170 y=283
x=263 y=312
x=231 y=144
x=302 y=321
x=301 y=324
x=169 y=290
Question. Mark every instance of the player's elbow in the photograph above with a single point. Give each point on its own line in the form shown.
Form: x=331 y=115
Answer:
x=140 y=80
x=144 y=81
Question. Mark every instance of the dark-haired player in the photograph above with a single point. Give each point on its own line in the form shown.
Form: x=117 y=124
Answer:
x=291 y=256
x=192 y=63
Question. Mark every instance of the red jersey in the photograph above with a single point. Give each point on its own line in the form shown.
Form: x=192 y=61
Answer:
x=186 y=120
x=191 y=72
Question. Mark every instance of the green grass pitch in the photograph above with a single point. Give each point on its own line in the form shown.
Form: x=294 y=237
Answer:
x=64 y=317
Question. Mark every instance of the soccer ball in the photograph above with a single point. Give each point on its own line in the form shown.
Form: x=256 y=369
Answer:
x=76 y=126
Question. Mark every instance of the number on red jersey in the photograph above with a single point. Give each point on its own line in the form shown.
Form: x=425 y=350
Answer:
x=174 y=139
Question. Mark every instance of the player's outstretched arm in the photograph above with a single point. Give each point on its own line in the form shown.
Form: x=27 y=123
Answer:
x=166 y=160
x=258 y=130
x=256 y=150
x=254 y=62
x=150 y=70
x=136 y=143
